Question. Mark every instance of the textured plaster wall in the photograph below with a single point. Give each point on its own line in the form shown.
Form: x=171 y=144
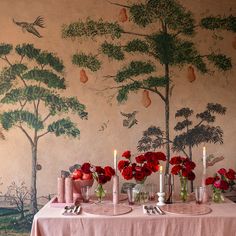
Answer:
x=97 y=146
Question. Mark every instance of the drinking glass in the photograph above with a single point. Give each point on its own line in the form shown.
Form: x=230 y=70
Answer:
x=199 y=193
x=131 y=195
x=152 y=190
x=85 y=192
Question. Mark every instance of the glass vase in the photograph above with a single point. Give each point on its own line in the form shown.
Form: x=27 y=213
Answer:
x=100 y=192
x=217 y=196
x=141 y=193
x=183 y=188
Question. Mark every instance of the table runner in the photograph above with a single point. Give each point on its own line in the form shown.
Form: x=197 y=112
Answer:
x=220 y=222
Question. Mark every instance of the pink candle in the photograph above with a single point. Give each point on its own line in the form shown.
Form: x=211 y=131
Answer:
x=115 y=189
x=69 y=190
x=61 y=189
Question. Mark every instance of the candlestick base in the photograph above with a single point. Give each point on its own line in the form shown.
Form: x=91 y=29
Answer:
x=161 y=198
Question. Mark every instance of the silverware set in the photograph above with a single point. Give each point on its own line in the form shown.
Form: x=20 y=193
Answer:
x=71 y=210
x=153 y=210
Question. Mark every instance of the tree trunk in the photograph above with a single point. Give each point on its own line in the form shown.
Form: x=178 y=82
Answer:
x=190 y=157
x=167 y=118
x=33 y=204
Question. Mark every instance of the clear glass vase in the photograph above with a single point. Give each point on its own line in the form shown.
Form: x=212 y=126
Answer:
x=100 y=192
x=183 y=188
x=217 y=196
x=141 y=193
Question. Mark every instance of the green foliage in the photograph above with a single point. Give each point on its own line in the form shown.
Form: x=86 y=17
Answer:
x=45 y=76
x=64 y=127
x=220 y=61
x=206 y=116
x=152 y=81
x=137 y=45
x=184 y=112
x=216 y=108
x=91 y=28
x=17 y=117
x=140 y=14
x=124 y=91
x=182 y=125
x=135 y=68
x=5 y=49
x=46 y=58
x=152 y=139
x=29 y=93
x=170 y=12
x=88 y=61
x=112 y=51
x=76 y=107
x=8 y=75
x=219 y=22
x=27 y=50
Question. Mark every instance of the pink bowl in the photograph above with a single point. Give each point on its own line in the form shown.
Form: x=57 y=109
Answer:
x=78 y=183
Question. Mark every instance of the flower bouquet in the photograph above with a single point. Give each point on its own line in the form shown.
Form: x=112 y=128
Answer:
x=183 y=167
x=222 y=181
x=143 y=166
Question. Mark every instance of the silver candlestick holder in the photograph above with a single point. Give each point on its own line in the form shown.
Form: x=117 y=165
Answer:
x=161 y=199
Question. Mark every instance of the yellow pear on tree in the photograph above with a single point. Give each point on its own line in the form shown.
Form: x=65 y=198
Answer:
x=123 y=15
x=191 y=74
x=146 y=100
x=83 y=76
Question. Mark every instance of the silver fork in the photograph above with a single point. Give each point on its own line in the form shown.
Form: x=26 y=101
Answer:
x=147 y=209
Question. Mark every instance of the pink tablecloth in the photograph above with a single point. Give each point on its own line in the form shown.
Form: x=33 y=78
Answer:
x=220 y=222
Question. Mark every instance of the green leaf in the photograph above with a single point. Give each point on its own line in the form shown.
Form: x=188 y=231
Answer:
x=216 y=108
x=76 y=107
x=184 y=112
x=155 y=82
x=91 y=28
x=206 y=116
x=140 y=14
x=112 y=51
x=182 y=125
x=11 y=118
x=220 y=61
x=219 y=22
x=64 y=127
x=5 y=49
x=47 y=58
x=28 y=50
x=47 y=77
x=135 y=68
x=124 y=91
x=137 y=45
x=88 y=61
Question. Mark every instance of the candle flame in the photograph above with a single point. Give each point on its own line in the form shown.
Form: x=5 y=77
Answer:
x=115 y=152
x=161 y=168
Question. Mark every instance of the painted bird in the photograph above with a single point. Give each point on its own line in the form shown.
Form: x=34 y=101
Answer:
x=30 y=27
x=131 y=120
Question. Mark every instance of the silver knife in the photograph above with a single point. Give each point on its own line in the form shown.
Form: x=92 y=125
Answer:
x=159 y=210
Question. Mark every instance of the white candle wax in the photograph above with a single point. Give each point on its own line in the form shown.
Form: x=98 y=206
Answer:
x=204 y=159
x=115 y=161
x=161 y=186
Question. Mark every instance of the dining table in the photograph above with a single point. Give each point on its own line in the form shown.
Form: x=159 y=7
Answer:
x=220 y=221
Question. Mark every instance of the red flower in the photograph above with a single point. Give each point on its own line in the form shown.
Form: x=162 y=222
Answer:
x=230 y=174
x=146 y=170
x=222 y=171
x=224 y=185
x=126 y=154
x=190 y=165
x=217 y=184
x=191 y=176
x=122 y=164
x=176 y=169
x=86 y=168
x=160 y=156
x=210 y=181
x=102 y=179
x=139 y=176
x=134 y=166
x=99 y=170
x=140 y=159
x=109 y=171
x=154 y=167
x=176 y=160
x=127 y=173
x=108 y=178
x=185 y=173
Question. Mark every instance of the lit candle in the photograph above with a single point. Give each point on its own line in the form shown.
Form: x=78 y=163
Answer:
x=161 y=187
x=204 y=160
x=115 y=161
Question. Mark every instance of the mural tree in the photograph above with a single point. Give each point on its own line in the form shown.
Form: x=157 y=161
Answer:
x=169 y=45
x=33 y=90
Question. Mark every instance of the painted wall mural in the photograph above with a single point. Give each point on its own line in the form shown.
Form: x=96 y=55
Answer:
x=151 y=74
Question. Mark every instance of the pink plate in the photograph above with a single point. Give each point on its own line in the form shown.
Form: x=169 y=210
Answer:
x=186 y=209
x=107 y=209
